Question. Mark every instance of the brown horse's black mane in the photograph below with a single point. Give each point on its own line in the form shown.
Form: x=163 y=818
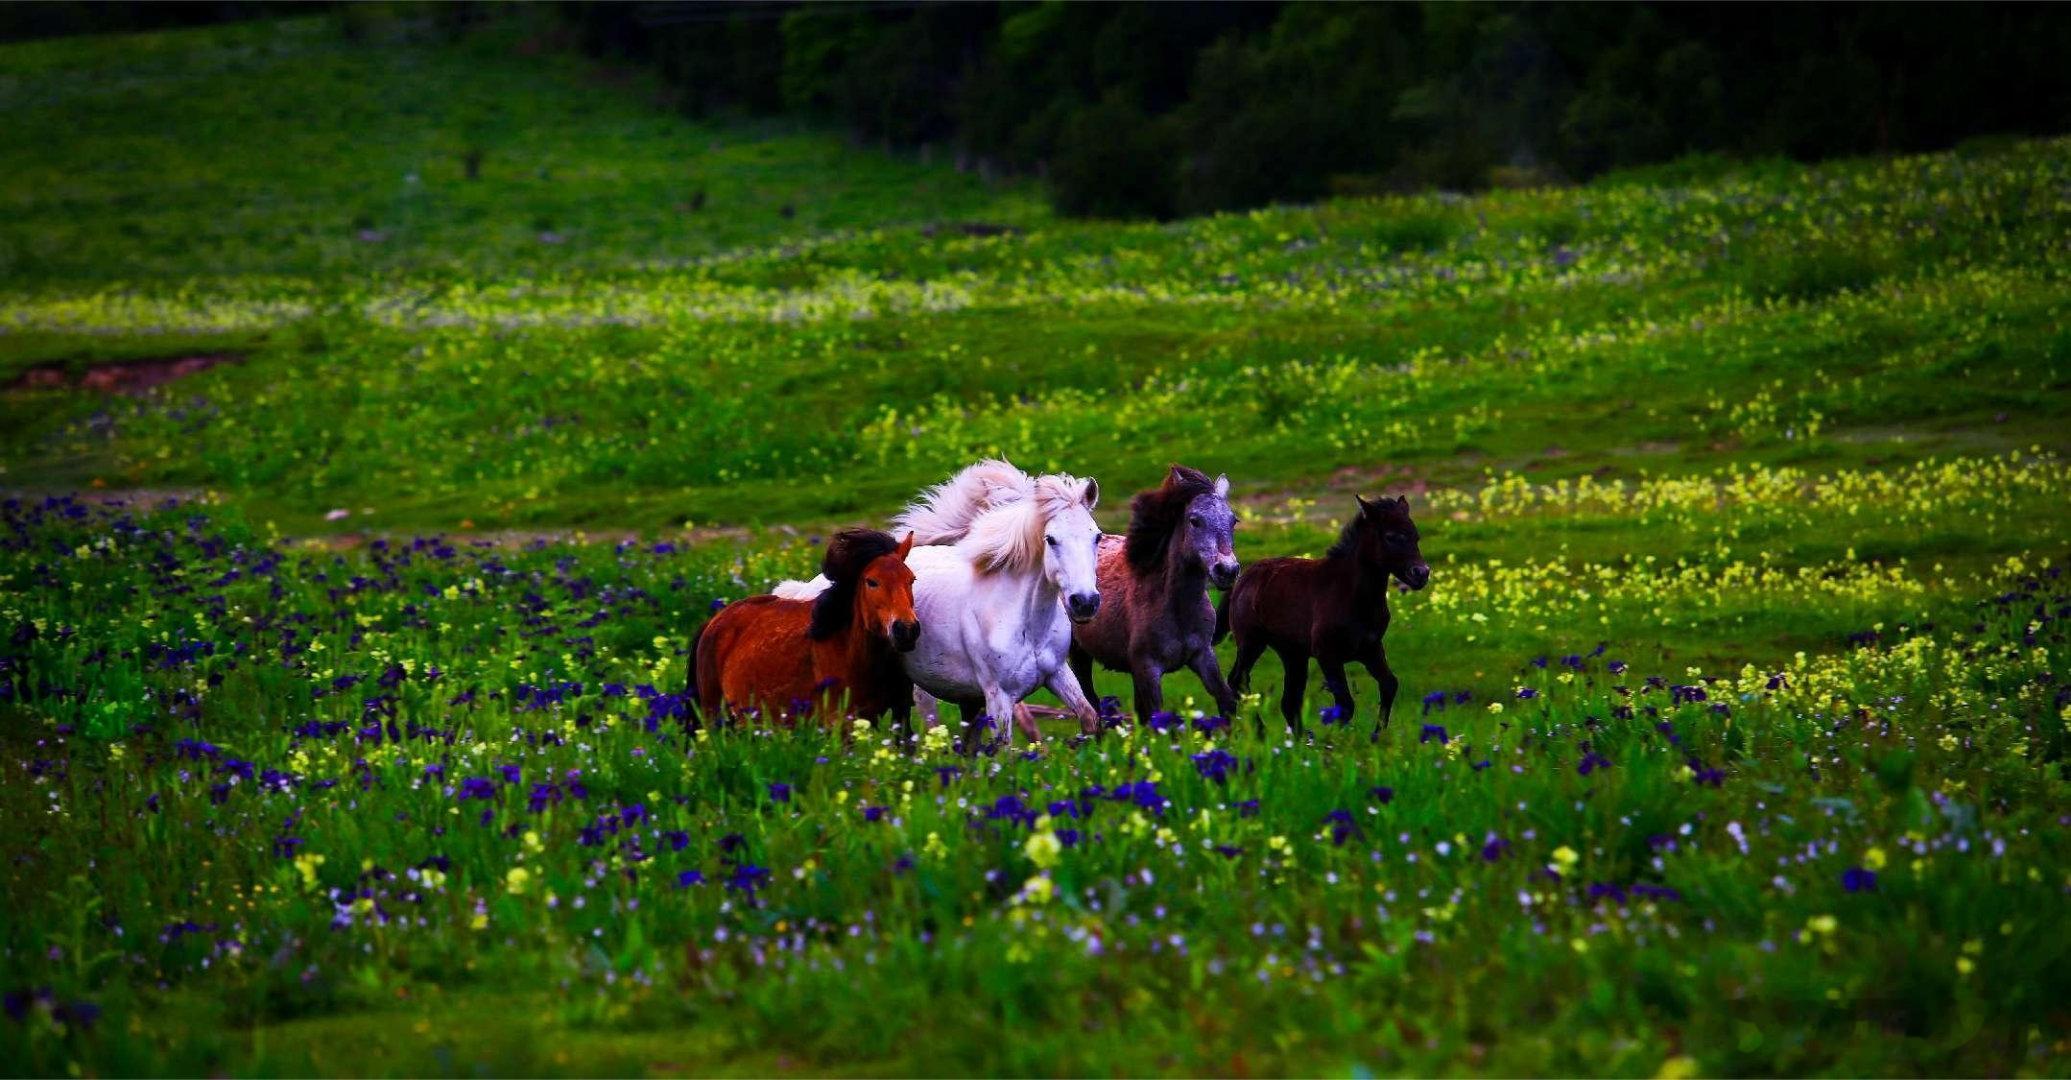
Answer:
x=847 y=554
x=1155 y=513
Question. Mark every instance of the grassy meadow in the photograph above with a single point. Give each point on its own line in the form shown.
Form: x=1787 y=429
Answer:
x=342 y=689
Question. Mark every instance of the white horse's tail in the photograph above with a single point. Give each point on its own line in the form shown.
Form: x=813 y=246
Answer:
x=943 y=514
x=801 y=590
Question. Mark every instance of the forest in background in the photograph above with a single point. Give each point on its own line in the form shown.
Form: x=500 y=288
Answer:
x=1162 y=110
x=1165 y=110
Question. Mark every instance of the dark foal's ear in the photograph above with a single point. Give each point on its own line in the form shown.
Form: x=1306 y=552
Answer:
x=1366 y=507
x=1403 y=501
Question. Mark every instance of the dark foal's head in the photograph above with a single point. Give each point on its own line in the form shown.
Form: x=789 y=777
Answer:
x=1383 y=538
x=1188 y=517
x=870 y=588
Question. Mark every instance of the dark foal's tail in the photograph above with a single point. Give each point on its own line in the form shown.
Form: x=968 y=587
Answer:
x=1222 y=615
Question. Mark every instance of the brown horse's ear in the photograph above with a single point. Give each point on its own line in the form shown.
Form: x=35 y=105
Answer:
x=905 y=546
x=1092 y=494
x=1364 y=506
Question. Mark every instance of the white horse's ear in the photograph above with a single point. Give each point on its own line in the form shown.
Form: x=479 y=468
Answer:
x=1222 y=486
x=1092 y=494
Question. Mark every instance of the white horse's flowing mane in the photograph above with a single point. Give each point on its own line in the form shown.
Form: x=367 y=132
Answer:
x=944 y=513
x=1009 y=536
x=993 y=512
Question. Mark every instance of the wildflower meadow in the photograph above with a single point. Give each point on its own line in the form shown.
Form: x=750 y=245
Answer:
x=345 y=673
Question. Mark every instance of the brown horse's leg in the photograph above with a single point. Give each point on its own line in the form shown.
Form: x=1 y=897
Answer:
x=971 y=709
x=1377 y=666
x=902 y=711
x=1025 y=719
x=1294 y=684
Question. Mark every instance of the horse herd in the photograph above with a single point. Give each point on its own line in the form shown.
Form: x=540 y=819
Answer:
x=995 y=583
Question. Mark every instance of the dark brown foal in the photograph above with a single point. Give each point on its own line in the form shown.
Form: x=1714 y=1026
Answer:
x=1333 y=610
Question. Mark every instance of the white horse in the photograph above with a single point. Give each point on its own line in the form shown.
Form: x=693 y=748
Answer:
x=1012 y=564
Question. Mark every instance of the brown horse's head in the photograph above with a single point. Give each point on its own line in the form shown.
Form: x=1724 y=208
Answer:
x=870 y=588
x=885 y=603
x=1384 y=538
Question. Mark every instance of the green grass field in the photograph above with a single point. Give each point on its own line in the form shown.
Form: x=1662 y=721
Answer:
x=343 y=716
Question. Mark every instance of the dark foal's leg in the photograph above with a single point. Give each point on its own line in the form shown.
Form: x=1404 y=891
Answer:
x=1248 y=653
x=1294 y=684
x=1150 y=689
x=1340 y=686
x=1384 y=677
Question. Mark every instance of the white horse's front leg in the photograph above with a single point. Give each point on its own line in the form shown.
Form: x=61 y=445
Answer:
x=1066 y=686
x=928 y=706
x=999 y=707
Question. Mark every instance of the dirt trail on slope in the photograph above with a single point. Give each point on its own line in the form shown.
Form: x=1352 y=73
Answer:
x=130 y=377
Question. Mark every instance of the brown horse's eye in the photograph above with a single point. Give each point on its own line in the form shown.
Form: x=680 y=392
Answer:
x=872 y=582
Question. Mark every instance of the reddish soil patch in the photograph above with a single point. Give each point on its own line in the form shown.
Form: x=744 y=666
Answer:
x=119 y=376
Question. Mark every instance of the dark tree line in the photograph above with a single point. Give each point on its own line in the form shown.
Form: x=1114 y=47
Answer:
x=1177 y=108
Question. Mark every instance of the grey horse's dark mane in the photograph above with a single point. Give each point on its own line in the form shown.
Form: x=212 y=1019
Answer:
x=1155 y=514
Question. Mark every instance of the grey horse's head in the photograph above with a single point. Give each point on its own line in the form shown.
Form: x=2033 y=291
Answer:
x=1187 y=518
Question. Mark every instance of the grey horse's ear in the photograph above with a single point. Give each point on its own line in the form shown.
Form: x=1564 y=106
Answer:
x=1364 y=506
x=1222 y=486
x=1092 y=494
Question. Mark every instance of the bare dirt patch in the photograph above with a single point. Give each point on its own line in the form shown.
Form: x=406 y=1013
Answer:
x=977 y=229
x=130 y=377
x=517 y=539
x=106 y=496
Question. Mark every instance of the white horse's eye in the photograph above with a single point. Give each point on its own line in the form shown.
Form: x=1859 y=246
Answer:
x=1051 y=540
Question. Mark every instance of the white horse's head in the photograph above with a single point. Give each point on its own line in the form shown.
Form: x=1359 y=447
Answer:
x=1071 y=541
x=1051 y=532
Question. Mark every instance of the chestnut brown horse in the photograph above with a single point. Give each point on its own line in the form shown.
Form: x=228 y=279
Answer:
x=835 y=655
x=1334 y=609
x=1157 y=617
